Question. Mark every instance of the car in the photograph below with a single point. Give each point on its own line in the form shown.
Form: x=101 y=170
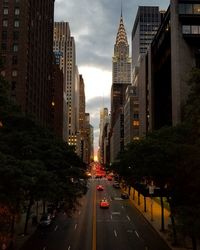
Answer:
x=109 y=178
x=104 y=203
x=116 y=185
x=100 y=188
x=124 y=196
x=45 y=220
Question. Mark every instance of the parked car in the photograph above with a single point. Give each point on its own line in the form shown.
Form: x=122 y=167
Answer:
x=116 y=185
x=124 y=196
x=45 y=220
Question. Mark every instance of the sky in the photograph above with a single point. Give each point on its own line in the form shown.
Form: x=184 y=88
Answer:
x=94 y=25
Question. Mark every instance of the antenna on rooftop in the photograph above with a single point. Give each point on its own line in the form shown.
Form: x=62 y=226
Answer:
x=121 y=8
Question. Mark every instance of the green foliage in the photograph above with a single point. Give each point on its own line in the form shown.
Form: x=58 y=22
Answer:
x=171 y=158
x=34 y=163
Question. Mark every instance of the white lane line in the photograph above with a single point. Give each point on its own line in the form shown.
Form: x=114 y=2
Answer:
x=122 y=206
x=69 y=248
x=111 y=216
x=79 y=212
x=115 y=232
x=75 y=226
x=137 y=234
x=128 y=217
x=56 y=228
x=116 y=213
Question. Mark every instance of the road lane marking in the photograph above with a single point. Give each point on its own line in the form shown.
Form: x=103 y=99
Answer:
x=69 y=248
x=137 y=234
x=118 y=213
x=75 y=226
x=122 y=206
x=111 y=216
x=94 y=224
x=128 y=217
x=115 y=232
x=56 y=228
x=79 y=212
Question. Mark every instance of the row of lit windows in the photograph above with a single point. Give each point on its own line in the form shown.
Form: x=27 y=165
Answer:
x=14 y=73
x=16 y=11
x=14 y=47
x=189 y=9
x=5 y=23
x=191 y=29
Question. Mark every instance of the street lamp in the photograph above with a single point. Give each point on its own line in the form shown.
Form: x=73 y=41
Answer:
x=151 y=192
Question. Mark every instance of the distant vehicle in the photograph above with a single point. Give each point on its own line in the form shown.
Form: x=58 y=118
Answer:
x=116 y=185
x=45 y=220
x=124 y=196
x=109 y=178
x=104 y=204
x=100 y=188
x=98 y=176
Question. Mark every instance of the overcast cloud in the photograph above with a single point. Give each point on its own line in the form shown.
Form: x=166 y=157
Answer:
x=94 y=25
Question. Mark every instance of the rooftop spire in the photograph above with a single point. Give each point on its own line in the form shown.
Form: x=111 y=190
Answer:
x=121 y=34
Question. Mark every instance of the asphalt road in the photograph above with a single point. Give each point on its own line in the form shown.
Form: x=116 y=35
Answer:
x=119 y=227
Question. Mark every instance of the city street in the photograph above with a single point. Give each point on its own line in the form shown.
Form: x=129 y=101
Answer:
x=120 y=226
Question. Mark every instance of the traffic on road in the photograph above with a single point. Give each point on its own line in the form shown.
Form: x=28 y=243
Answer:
x=105 y=219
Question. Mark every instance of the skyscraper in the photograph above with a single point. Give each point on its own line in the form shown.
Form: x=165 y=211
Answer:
x=64 y=49
x=26 y=29
x=121 y=78
x=146 y=24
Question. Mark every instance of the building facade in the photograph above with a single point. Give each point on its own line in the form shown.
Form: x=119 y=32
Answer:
x=131 y=116
x=121 y=78
x=64 y=48
x=103 y=121
x=144 y=29
x=173 y=53
x=26 y=30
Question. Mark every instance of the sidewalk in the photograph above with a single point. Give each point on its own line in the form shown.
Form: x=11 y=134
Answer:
x=20 y=238
x=153 y=216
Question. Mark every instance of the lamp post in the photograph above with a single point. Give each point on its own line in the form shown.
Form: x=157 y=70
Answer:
x=151 y=192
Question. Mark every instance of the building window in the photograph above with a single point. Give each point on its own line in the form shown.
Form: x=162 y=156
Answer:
x=15 y=35
x=14 y=73
x=14 y=60
x=195 y=29
x=5 y=23
x=13 y=85
x=196 y=8
x=186 y=29
x=3 y=73
x=16 y=23
x=15 y=47
x=3 y=46
x=5 y=11
x=136 y=123
x=17 y=11
x=3 y=59
x=4 y=35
